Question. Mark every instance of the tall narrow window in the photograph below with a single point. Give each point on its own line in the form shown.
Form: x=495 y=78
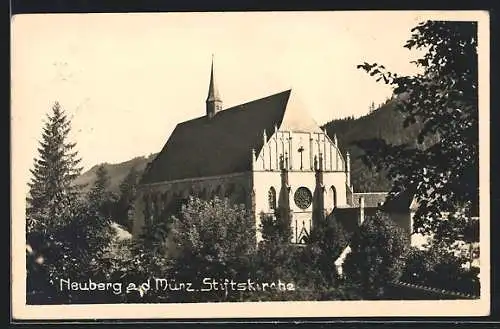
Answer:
x=272 y=198
x=334 y=196
x=218 y=192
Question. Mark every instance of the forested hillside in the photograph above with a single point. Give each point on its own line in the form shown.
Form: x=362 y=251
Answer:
x=116 y=172
x=386 y=123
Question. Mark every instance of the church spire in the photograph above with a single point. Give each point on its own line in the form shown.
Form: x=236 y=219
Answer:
x=214 y=101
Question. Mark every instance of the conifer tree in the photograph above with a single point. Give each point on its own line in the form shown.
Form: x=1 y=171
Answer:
x=372 y=107
x=125 y=204
x=51 y=205
x=101 y=183
x=51 y=188
x=99 y=196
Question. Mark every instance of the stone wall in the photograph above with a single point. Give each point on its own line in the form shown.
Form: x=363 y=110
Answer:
x=159 y=199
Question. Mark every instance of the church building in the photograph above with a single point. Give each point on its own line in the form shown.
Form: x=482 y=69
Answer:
x=266 y=153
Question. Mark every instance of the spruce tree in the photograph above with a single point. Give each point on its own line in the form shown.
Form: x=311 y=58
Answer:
x=51 y=188
x=99 y=196
x=66 y=236
x=125 y=206
x=50 y=206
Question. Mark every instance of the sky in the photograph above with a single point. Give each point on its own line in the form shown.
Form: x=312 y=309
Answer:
x=126 y=80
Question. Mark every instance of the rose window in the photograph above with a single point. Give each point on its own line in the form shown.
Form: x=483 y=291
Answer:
x=303 y=197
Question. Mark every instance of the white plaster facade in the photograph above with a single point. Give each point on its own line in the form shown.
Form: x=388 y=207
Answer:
x=301 y=151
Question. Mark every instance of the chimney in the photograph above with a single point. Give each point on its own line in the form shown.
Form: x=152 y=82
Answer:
x=361 y=217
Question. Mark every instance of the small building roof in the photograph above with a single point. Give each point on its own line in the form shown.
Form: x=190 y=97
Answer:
x=348 y=218
x=372 y=199
x=406 y=201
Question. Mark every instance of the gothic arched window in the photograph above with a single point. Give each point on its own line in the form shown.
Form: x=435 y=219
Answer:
x=272 y=198
x=334 y=196
x=147 y=209
x=218 y=192
x=156 y=207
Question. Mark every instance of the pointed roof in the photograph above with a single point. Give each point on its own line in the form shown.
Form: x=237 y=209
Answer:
x=400 y=202
x=219 y=146
x=213 y=91
x=223 y=145
x=296 y=117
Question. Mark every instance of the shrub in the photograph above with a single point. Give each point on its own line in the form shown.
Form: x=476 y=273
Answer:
x=376 y=257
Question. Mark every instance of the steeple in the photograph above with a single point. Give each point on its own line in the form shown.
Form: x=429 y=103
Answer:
x=214 y=101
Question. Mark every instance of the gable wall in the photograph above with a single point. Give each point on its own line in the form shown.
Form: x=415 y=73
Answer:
x=287 y=143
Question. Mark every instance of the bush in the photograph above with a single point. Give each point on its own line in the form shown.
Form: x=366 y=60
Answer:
x=72 y=248
x=437 y=267
x=377 y=256
x=212 y=239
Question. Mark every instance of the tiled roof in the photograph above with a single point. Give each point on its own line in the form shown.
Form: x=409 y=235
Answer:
x=400 y=202
x=348 y=218
x=213 y=91
x=221 y=145
x=405 y=201
x=372 y=199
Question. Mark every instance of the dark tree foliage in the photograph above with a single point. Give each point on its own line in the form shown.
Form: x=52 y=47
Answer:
x=212 y=239
x=438 y=268
x=280 y=259
x=310 y=267
x=315 y=267
x=443 y=99
x=65 y=237
x=276 y=252
x=138 y=261
x=124 y=207
x=51 y=189
x=142 y=259
x=99 y=196
x=377 y=256
x=326 y=243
